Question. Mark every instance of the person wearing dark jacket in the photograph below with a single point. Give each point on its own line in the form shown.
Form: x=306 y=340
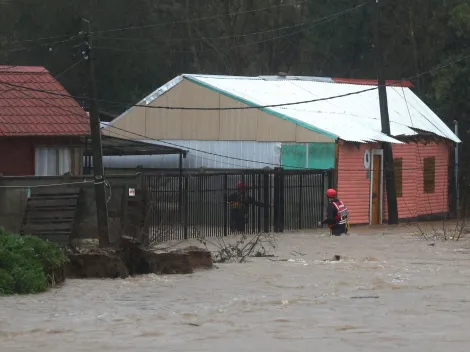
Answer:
x=336 y=214
x=239 y=205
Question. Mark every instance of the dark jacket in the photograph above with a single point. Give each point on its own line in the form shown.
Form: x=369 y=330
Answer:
x=331 y=213
x=240 y=200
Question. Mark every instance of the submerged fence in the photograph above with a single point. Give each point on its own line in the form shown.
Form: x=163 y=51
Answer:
x=195 y=205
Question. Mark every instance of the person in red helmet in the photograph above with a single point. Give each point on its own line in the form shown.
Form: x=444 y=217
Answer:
x=239 y=205
x=336 y=214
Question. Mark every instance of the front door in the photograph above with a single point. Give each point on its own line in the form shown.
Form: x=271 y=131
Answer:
x=376 y=196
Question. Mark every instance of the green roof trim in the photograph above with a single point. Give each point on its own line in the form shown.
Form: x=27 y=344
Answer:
x=267 y=110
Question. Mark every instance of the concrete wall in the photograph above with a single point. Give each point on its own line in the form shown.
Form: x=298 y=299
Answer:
x=14 y=195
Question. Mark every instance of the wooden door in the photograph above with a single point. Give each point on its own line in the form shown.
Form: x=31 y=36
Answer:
x=376 y=182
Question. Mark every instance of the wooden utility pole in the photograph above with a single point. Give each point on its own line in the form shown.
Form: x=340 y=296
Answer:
x=389 y=171
x=100 y=190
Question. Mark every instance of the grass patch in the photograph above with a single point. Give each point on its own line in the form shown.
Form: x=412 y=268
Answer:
x=27 y=263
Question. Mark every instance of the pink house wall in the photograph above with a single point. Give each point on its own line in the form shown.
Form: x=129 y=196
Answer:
x=354 y=185
x=414 y=201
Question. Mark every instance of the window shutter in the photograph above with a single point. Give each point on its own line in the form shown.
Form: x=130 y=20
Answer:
x=429 y=172
x=398 y=168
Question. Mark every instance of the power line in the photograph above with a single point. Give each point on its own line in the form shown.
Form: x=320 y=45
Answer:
x=186 y=108
x=210 y=153
x=221 y=155
x=206 y=152
x=314 y=24
x=33 y=75
x=129 y=105
x=168 y=23
x=68 y=69
x=199 y=19
x=44 y=45
x=40 y=39
x=333 y=16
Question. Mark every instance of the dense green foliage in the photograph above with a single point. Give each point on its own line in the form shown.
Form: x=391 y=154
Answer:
x=418 y=35
x=27 y=263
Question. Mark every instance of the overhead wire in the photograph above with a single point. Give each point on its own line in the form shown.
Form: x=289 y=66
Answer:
x=395 y=83
x=33 y=75
x=228 y=157
x=120 y=29
x=240 y=35
x=312 y=24
x=234 y=108
x=199 y=18
x=188 y=108
x=419 y=154
x=76 y=37
x=259 y=162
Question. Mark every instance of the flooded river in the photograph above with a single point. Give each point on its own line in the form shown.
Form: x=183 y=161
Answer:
x=388 y=293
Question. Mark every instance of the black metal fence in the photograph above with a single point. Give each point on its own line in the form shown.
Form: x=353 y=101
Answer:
x=195 y=205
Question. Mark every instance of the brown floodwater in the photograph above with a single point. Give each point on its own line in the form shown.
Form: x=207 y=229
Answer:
x=389 y=292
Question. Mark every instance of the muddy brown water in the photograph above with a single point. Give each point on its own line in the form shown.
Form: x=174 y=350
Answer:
x=387 y=293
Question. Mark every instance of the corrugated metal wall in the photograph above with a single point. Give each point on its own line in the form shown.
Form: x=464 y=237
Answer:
x=354 y=181
x=414 y=201
x=203 y=125
x=267 y=154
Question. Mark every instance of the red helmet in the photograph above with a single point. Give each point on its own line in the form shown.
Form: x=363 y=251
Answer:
x=331 y=193
x=241 y=185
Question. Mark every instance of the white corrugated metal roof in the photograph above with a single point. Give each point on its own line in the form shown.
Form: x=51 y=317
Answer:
x=353 y=118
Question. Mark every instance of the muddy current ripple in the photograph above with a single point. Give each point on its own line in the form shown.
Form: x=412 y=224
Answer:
x=388 y=293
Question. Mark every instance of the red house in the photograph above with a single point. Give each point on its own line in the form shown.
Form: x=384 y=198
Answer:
x=39 y=132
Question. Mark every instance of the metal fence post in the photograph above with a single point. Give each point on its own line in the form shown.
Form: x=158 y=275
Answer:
x=225 y=204
x=281 y=200
x=253 y=208
x=258 y=181
x=276 y=201
x=267 y=193
x=301 y=178
x=186 y=205
x=331 y=174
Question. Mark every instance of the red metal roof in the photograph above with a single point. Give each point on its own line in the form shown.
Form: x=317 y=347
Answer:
x=26 y=112
x=371 y=82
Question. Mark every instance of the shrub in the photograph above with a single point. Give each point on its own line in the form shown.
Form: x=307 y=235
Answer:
x=27 y=263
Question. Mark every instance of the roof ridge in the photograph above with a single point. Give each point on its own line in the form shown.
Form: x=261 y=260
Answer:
x=7 y=69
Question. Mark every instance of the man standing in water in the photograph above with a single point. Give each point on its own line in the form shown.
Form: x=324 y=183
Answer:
x=336 y=214
x=239 y=205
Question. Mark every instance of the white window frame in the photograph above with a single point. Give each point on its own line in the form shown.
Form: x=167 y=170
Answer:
x=63 y=160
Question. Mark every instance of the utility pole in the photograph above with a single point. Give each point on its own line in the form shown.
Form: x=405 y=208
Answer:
x=456 y=170
x=100 y=190
x=387 y=147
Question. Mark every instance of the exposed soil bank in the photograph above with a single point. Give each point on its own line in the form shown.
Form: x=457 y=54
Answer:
x=130 y=258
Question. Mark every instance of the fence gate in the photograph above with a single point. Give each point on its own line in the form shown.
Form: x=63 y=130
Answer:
x=195 y=205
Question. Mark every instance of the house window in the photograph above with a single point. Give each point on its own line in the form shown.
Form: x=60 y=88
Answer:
x=429 y=171
x=398 y=168
x=52 y=161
